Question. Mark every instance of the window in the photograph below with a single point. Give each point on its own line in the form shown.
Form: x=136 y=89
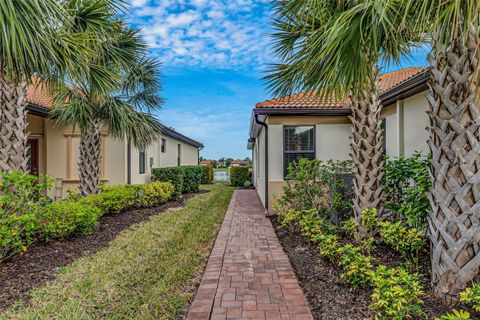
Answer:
x=141 y=161
x=179 y=160
x=298 y=143
x=164 y=146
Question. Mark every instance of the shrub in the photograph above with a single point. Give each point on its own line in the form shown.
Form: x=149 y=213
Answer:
x=113 y=200
x=240 y=175
x=395 y=294
x=471 y=296
x=357 y=268
x=207 y=174
x=328 y=245
x=154 y=194
x=61 y=219
x=456 y=315
x=313 y=184
x=192 y=178
x=22 y=197
x=406 y=184
x=407 y=241
x=173 y=175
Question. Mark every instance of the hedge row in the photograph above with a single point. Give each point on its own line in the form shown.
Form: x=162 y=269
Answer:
x=185 y=179
x=27 y=216
x=240 y=176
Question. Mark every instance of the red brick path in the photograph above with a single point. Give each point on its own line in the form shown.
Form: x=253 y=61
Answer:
x=248 y=276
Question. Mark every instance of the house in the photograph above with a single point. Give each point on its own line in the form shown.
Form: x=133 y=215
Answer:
x=239 y=163
x=54 y=150
x=307 y=126
x=206 y=163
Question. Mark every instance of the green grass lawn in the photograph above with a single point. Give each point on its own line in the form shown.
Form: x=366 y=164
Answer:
x=221 y=169
x=147 y=272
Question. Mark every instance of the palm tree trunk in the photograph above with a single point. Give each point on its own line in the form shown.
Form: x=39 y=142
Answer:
x=454 y=223
x=13 y=125
x=367 y=150
x=89 y=165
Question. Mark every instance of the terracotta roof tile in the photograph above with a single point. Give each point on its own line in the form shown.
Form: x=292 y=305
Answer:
x=38 y=95
x=312 y=100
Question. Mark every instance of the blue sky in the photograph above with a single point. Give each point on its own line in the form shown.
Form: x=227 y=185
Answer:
x=214 y=54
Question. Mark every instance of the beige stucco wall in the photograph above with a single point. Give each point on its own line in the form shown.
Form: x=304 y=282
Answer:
x=405 y=127
x=259 y=153
x=415 y=123
x=62 y=154
x=333 y=141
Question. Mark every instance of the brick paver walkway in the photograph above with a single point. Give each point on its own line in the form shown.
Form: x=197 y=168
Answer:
x=248 y=275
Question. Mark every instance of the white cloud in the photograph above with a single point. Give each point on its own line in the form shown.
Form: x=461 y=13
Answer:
x=205 y=33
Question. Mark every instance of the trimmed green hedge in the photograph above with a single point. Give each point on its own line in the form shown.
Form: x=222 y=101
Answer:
x=173 y=175
x=186 y=179
x=113 y=200
x=240 y=175
x=207 y=174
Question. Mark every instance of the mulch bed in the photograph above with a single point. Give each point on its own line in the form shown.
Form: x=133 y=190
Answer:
x=41 y=263
x=332 y=299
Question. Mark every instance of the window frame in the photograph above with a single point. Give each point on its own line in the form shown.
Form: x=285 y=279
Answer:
x=163 y=145
x=314 y=152
x=142 y=165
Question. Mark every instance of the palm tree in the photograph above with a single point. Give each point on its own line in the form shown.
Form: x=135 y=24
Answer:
x=334 y=48
x=454 y=222
x=121 y=105
x=33 y=41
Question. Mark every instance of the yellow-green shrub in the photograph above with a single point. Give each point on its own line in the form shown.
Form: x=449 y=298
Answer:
x=357 y=268
x=327 y=245
x=113 y=200
x=154 y=194
x=61 y=219
x=395 y=294
x=471 y=296
x=407 y=241
x=456 y=315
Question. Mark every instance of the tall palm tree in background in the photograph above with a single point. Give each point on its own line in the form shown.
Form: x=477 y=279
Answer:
x=334 y=48
x=33 y=41
x=122 y=104
x=454 y=99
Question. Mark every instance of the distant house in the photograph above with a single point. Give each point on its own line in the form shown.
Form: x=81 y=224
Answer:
x=239 y=163
x=206 y=162
x=54 y=150
x=305 y=126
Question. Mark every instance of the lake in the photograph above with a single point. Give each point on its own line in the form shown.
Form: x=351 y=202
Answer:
x=221 y=176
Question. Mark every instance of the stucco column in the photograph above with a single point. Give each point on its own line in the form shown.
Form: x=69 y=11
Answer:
x=400 y=129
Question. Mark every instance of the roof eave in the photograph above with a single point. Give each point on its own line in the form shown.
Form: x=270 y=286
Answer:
x=301 y=111
x=37 y=110
x=176 y=135
x=407 y=89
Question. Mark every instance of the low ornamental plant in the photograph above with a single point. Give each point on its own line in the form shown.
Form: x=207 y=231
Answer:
x=456 y=315
x=471 y=297
x=153 y=194
x=22 y=198
x=357 y=268
x=328 y=245
x=64 y=218
x=407 y=241
x=113 y=200
x=396 y=294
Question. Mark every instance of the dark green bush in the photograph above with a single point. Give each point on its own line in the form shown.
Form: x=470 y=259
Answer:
x=174 y=175
x=406 y=184
x=113 y=200
x=240 y=175
x=61 y=219
x=185 y=179
x=192 y=178
x=207 y=174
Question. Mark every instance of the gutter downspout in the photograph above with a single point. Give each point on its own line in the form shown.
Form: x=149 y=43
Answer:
x=265 y=125
x=129 y=162
x=198 y=154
